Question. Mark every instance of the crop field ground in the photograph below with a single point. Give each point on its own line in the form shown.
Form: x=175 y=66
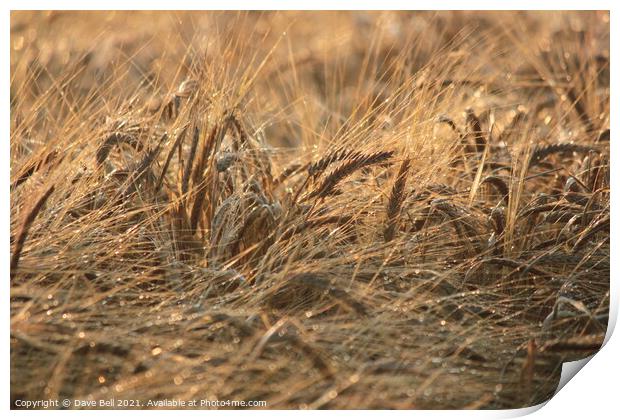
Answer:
x=335 y=210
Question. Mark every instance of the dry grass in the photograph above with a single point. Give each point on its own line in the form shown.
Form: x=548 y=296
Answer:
x=321 y=210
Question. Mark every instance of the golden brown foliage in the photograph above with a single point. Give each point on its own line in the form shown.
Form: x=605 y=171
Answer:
x=315 y=209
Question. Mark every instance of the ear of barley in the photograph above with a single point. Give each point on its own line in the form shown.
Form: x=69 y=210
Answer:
x=474 y=125
x=25 y=228
x=331 y=181
x=396 y=200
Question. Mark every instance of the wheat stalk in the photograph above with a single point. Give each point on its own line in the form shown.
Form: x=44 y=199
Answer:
x=395 y=202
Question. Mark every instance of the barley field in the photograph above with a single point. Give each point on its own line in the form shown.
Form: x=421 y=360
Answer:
x=336 y=210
